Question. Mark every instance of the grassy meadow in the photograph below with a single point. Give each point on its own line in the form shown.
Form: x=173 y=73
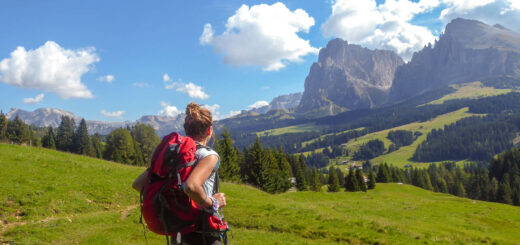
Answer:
x=50 y=197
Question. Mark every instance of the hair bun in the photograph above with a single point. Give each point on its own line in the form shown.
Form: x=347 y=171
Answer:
x=193 y=110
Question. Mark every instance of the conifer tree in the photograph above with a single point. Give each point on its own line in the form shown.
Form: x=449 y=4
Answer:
x=333 y=183
x=504 y=194
x=17 y=131
x=120 y=147
x=229 y=169
x=254 y=159
x=97 y=146
x=81 y=139
x=65 y=134
x=341 y=177
x=361 y=180
x=48 y=140
x=271 y=181
x=351 y=182
x=315 y=180
x=3 y=127
x=285 y=168
x=146 y=140
x=301 y=181
x=383 y=175
x=371 y=180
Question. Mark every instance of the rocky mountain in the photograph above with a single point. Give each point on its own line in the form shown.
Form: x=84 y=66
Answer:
x=283 y=102
x=467 y=51
x=45 y=117
x=348 y=77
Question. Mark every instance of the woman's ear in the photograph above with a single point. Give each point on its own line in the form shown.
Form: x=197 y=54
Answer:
x=209 y=130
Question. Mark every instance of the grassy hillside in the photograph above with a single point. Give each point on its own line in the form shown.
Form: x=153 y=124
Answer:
x=48 y=197
x=474 y=90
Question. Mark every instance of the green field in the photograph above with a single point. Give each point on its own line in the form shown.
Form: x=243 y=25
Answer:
x=49 y=197
x=474 y=90
x=401 y=157
x=300 y=128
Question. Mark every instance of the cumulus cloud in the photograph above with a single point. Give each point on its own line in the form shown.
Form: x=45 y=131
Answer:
x=384 y=26
x=50 y=68
x=112 y=114
x=168 y=110
x=258 y=104
x=265 y=35
x=35 y=100
x=166 y=78
x=108 y=78
x=191 y=89
x=503 y=12
x=207 y=35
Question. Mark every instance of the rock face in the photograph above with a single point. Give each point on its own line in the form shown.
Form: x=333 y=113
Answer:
x=348 y=76
x=468 y=50
x=283 y=102
x=50 y=117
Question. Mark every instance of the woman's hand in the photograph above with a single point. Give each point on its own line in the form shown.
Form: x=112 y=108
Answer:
x=221 y=199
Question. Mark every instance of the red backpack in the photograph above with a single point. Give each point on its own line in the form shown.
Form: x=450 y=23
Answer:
x=165 y=207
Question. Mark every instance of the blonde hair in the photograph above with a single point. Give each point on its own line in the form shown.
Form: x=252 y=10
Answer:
x=197 y=121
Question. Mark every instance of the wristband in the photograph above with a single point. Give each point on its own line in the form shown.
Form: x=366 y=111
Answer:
x=214 y=207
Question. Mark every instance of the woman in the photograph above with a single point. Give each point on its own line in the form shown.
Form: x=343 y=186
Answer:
x=200 y=184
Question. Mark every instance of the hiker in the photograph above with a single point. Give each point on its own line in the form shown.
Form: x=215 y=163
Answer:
x=202 y=181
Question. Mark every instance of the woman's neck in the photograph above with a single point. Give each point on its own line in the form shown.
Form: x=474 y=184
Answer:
x=201 y=141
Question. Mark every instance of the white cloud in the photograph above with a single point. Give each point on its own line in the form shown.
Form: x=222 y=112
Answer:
x=503 y=12
x=50 y=68
x=112 y=114
x=384 y=26
x=230 y=114
x=191 y=89
x=108 y=78
x=258 y=104
x=265 y=35
x=265 y=87
x=35 y=100
x=207 y=35
x=214 y=110
x=166 y=78
x=168 y=110
x=141 y=84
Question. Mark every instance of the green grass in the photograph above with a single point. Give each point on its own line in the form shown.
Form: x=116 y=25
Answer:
x=402 y=156
x=474 y=90
x=300 y=128
x=49 y=197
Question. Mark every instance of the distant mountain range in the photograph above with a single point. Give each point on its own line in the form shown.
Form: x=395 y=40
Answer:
x=50 y=117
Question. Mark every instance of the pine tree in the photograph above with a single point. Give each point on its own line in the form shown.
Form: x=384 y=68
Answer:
x=48 y=140
x=254 y=159
x=341 y=177
x=301 y=181
x=3 y=127
x=351 y=182
x=361 y=180
x=229 y=169
x=65 y=134
x=17 y=131
x=371 y=180
x=120 y=147
x=315 y=180
x=146 y=140
x=97 y=146
x=272 y=179
x=504 y=194
x=333 y=183
x=383 y=175
x=81 y=139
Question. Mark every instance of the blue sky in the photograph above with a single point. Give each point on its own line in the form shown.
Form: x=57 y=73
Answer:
x=250 y=51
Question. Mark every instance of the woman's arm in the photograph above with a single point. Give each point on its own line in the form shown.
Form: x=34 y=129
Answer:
x=193 y=185
x=140 y=181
